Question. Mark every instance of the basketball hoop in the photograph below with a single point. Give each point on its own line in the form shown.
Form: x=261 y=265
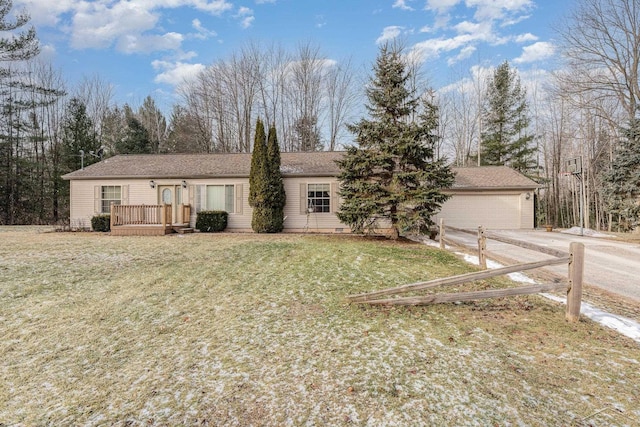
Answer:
x=564 y=174
x=574 y=166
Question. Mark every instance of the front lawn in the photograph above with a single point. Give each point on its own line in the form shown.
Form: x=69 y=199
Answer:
x=243 y=329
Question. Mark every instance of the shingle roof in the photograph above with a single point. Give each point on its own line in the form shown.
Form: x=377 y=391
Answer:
x=322 y=163
x=185 y=166
x=491 y=177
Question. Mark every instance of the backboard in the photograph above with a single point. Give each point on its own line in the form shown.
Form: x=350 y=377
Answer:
x=574 y=166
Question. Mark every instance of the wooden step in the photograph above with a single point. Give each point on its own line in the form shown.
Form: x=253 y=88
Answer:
x=183 y=230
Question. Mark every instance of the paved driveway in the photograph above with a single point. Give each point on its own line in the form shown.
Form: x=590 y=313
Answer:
x=610 y=265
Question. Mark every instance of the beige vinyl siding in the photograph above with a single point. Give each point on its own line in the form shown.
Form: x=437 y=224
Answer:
x=86 y=196
x=240 y=220
x=493 y=210
x=296 y=217
x=526 y=210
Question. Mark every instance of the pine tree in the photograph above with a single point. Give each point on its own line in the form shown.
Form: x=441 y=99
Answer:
x=505 y=122
x=77 y=136
x=16 y=44
x=622 y=181
x=392 y=174
x=136 y=139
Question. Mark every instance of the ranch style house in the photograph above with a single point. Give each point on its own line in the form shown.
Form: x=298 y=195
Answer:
x=160 y=193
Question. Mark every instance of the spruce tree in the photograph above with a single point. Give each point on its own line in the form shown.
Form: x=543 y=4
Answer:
x=622 y=181
x=505 y=122
x=391 y=174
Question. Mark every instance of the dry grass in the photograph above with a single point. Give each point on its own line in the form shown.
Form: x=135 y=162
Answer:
x=253 y=330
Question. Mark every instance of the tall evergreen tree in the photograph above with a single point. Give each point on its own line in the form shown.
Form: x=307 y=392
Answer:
x=259 y=172
x=136 y=139
x=15 y=123
x=622 y=181
x=392 y=174
x=266 y=188
x=505 y=121
x=277 y=197
x=78 y=142
x=259 y=181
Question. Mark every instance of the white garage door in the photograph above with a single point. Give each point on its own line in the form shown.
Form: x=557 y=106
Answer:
x=491 y=211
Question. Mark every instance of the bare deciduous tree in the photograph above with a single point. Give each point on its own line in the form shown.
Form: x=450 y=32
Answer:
x=602 y=45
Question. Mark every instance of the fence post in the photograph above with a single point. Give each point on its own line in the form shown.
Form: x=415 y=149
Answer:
x=112 y=215
x=441 y=233
x=482 y=248
x=163 y=216
x=576 y=271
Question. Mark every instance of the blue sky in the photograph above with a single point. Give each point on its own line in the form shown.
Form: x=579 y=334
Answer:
x=147 y=47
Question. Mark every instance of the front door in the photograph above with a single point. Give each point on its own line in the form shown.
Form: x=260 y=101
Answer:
x=171 y=195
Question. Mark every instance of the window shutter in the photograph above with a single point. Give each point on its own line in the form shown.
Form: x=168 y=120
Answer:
x=200 y=197
x=97 y=202
x=125 y=195
x=303 y=198
x=334 y=197
x=238 y=190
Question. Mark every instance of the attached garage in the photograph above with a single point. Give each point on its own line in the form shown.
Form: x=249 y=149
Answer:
x=496 y=197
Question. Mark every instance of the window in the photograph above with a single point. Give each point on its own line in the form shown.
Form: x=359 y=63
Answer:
x=319 y=198
x=220 y=198
x=110 y=194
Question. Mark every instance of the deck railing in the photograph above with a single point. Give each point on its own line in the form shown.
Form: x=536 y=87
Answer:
x=184 y=214
x=140 y=215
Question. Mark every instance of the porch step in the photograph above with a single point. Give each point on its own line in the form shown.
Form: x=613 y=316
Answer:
x=183 y=230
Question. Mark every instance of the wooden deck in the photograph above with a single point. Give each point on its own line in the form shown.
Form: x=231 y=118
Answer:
x=148 y=220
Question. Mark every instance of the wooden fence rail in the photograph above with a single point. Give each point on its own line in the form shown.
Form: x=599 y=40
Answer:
x=575 y=260
x=456 y=280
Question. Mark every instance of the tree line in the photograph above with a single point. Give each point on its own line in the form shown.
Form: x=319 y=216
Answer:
x=587 y=109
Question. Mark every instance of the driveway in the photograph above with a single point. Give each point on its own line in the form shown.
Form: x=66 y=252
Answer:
x=609 y=265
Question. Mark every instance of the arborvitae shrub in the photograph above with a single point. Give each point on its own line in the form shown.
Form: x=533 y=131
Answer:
x=211 y=221
x=101 y=222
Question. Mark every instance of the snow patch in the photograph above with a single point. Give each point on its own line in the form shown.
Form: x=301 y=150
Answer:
x=623 y=325
x=585 y=232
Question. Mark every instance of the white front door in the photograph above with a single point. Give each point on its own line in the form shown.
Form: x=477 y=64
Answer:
x=171 y=195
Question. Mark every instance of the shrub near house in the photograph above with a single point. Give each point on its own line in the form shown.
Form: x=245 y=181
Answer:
x=212 y=221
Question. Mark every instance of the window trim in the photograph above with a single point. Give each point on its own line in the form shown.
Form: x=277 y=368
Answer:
x=328 y=198
x=105 y=203
x=229 y=197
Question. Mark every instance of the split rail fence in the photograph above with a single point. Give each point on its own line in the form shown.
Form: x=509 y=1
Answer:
x=574 y=258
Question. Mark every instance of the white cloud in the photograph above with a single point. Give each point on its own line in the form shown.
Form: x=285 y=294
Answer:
x=498 y=9
x=128 y=24
x=402 y=4
x=536 y=52
x=389 y=33
x=202 y=32
x=441 y=6
x=149 y=43
x=246 y=17
x=523 y=38
x=46 y=12
x=175 y=73
x=47 y=52
x=465 y=53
